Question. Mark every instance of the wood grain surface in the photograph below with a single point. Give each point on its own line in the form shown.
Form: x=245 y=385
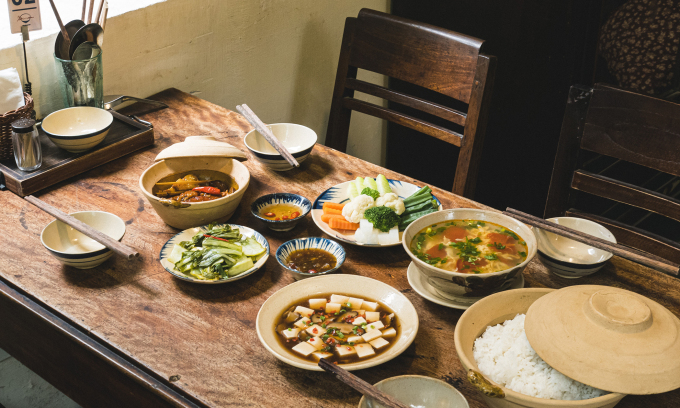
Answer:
x=200 y=339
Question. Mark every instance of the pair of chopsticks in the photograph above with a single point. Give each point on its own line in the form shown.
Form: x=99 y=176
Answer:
x=101 y=18
x=632 y=254
x=117 y=247
x=361 y=385
x=252 y=118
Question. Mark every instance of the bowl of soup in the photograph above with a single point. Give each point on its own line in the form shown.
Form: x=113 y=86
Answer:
x=469 y=253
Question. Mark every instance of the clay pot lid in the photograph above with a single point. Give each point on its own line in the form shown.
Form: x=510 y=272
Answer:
x=201 y=146
x=608 y=338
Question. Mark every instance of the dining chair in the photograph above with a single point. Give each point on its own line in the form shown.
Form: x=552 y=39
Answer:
x=430 y=57
x=632 y=128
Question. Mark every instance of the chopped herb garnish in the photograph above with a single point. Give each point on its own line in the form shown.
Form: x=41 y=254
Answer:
x=342 y=336
x=498 y=246
x=491 y=257
x=477 y=271
x=522 y=242
x=522 y=253
x=441 y=246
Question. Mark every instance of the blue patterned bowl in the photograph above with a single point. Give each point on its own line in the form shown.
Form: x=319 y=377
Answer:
x=281 y=198
x=286 y=248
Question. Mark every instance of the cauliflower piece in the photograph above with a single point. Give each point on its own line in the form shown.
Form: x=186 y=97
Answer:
x=392 y=201
x=354 y=210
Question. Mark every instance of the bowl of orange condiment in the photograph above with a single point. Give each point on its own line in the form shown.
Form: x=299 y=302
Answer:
x=281 y=211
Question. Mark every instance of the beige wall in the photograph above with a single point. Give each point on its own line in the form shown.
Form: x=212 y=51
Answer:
x=278 y=56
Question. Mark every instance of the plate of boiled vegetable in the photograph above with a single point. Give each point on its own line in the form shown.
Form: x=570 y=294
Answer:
x=215 y=253
x=372 y=212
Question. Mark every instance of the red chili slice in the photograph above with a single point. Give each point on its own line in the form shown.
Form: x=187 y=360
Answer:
x=208 y=190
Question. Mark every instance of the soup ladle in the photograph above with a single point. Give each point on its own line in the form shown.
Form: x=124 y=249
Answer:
x=89 y=33
x=60 y=49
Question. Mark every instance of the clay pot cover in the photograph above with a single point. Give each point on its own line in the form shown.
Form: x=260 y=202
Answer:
x=201 y=146
x=608 y=338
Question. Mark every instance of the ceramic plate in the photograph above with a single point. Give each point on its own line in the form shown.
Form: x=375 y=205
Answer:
x=418 y=282
x=338 y=194
x=186 y=236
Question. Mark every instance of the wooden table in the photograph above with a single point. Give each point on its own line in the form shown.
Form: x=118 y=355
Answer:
x=129 y=334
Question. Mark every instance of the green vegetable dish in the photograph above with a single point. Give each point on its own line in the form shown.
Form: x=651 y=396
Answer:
x=220 y=253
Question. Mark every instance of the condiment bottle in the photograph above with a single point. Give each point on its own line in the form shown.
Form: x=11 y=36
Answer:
x=27 y=150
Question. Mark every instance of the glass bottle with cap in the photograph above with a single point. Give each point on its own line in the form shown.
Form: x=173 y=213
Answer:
x=27 y=150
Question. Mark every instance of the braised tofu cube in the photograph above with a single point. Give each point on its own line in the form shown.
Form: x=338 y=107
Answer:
x=302 y=323
x=371 y=335
x=355 y=303
x=355 y=339
x=317 y=304
x=321 y=354
x=375 y=326
x=345 y=351
x=389 y=333
x=370 y=306
x=361 y=313
x=364 y=350
x=303 y=311
x=333 y=307
x=339 y=299
x=304 y=348
x=290 y=333
x=379 y=343
x=316 y=342
x=316 y=330
x=358 y=321
x=372 y=316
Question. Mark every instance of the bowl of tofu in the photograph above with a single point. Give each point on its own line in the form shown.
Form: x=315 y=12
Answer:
x=353 y=321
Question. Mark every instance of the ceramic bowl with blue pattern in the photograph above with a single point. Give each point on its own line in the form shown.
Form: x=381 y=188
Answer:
x=281 y=198
x=73 y=248
x=298 y=139
x=327 y=245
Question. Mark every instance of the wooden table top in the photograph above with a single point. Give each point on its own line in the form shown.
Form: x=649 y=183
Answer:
x=203 y=336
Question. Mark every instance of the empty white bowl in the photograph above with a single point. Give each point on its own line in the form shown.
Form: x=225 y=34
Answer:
x=73 y=248
x=298 y=139
x=418 y=391
x=79 y=128
x=568 y=258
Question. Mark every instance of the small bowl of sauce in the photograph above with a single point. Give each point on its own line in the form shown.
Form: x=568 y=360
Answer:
x=281 y=211
x=308 y=257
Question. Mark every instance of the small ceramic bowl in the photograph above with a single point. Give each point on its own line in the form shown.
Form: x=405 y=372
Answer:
x=281 y=198
x=349 y=285
x=73 y=248
x=418 y=391
x=305 y=243
x=568 y=258
x=463 y=287
x=77 y=129
x=298 y=139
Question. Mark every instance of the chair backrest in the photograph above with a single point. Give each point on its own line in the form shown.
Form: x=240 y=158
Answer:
x=624 y=125
x=434 y=58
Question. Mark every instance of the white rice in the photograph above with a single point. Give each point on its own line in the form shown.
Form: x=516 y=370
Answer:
x=503 y=353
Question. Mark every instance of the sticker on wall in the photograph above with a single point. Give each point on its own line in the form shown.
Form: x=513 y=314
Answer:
x=24 y=12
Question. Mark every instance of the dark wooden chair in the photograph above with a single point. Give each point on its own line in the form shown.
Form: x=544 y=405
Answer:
x=633 y=128
x=434 y=58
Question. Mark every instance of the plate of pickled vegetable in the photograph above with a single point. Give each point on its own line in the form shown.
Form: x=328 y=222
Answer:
x=372 y=212
x=215 y=253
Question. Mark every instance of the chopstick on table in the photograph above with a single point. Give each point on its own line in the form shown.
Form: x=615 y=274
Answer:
x=632 y=254
x=252 y=118
x=112 y=244
x=361 y=385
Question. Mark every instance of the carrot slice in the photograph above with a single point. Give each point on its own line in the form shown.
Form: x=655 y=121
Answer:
x=328 y=210
x=327 y=217
x=335 y=206
x=337 y=223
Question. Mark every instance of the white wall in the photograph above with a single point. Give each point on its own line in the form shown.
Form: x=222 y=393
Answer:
x=278 y=56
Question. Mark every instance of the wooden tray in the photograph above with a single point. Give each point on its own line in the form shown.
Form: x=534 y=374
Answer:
x=125 y=136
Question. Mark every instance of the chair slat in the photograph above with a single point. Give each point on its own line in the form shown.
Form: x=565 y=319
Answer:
x=626 y=193
x=427 y=128
x=634 y=237
x=423 y=105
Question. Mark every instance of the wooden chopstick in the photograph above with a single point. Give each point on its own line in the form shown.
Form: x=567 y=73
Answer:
x=361 y=385
x=99 y=12
x=64 y=33
x=82 y=18
x=632 y=254
x=89 y=14
x=107 y=241
x=106 y=12
x=252 y=118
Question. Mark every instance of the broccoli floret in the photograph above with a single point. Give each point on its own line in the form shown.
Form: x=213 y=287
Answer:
x=382 y=218
x=371 y=193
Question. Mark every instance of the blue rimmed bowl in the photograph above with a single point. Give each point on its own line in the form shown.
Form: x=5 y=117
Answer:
x=281 y=198
x=298 y=139
x=327 y=245
x=73 y=248
x=77 y=129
